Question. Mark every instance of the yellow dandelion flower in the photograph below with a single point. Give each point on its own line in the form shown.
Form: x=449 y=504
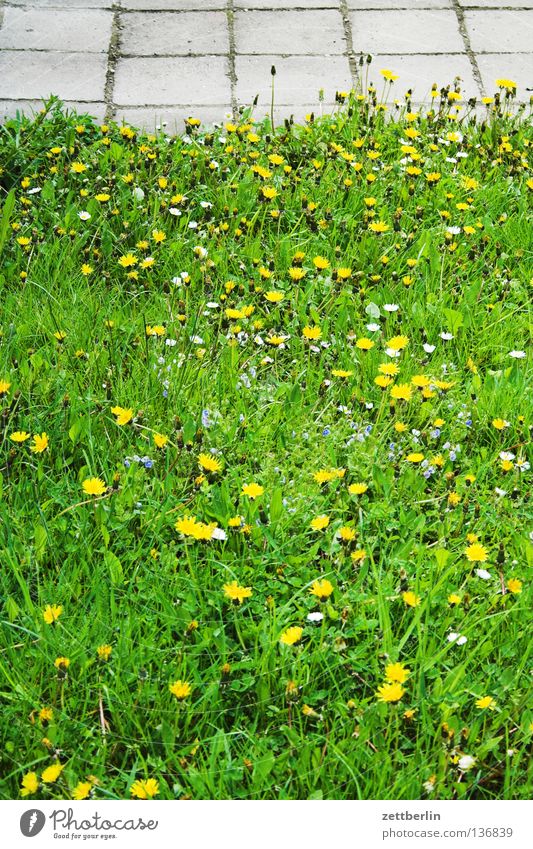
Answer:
x=321 y=589
x=180 y=689
x=122 y=416
x=29 y=784
x=476 y=553
x=357 y=488
x=52 y=773
x=252 y=490
x=274 y=297
x=291 y=636
x=127 y=260
x=319 y=523
x=312 y=332
x=401 y=392
x=209 y=463
x=378 y=227
x=398 y=343
x=358 y=555
x=94 y=486
x=514 y=585
x=397 y=672
x=234 y=592
x=411 y=599
x=141 y=789
x=389 y=76
x=104 y=651
x=52 y=612
x=19 y=436
x=390 y=692
x=82 y=790
x=485 y=702
x=40 y=443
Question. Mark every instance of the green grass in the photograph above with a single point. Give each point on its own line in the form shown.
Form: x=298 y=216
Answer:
x=264 y=719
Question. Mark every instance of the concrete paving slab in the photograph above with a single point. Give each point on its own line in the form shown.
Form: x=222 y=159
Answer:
x=406 y=31
x=286 y=4
x=289 y=33
x=419 y=73
x=72 y=76
x=399 y=4
x=170 y=81
x=496 y=4
x=172 y=34
x=512 y=66
x=62 y=4
x=299 y=112
x=8 y=108
x=174 y=5
x=172 y=118
x=87 y=30
x=501 y=31
x=298 y=78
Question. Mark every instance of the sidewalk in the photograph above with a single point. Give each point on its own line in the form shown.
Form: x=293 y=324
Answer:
x=154 y=61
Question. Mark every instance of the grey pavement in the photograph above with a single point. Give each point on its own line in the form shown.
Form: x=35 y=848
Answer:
x=153 y=62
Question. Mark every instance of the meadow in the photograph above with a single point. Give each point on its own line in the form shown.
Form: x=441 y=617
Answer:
x=264 y=454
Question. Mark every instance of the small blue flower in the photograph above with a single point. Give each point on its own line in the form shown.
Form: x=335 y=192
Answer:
x=326 y=431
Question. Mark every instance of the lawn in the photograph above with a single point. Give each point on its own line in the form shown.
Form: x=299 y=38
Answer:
x=264 y=455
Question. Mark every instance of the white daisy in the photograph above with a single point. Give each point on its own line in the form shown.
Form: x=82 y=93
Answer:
x=459 y=639
x=466 y=762
x=316 y=616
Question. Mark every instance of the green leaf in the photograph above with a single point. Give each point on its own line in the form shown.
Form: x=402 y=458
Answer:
x=114 y=565
x=442 y=556
x=454 y=319
x=263 y=768
x=40 y=540
x=79 y=429
x=12 y=608
x=5 y=217
x=276 y=505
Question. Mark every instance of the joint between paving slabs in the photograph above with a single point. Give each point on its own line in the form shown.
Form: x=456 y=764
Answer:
x=231 y=72
x=348 y=37
x=113 y=54
x=460 y=15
